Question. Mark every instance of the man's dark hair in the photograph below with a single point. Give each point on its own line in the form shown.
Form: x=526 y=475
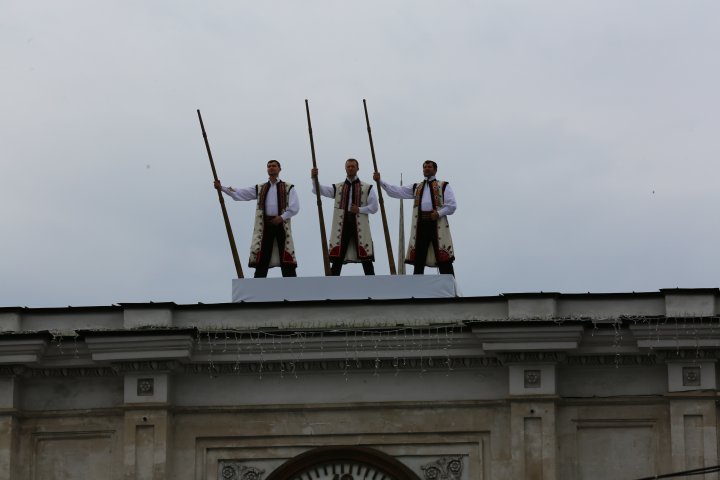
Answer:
x=357 y=164
x=274 y=161
x=431 y=163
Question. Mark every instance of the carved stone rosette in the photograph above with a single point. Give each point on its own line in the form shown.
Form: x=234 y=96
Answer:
x=236 y=471
x=444 y=468
x=691 y=376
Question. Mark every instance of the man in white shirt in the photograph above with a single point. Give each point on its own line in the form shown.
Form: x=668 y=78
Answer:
x=277 y=202
x=350 y=239
x=434 y=201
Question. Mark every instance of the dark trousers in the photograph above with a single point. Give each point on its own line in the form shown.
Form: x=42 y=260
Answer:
x=427 y=237
x=349 y=231
x=273 y=234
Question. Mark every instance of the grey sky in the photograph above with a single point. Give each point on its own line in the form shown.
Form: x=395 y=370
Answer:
x=581 y=138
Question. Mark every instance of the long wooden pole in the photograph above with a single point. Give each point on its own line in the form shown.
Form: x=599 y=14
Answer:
x=388 y=244
x=323 y=235
x=231 y=238
x=401 y=237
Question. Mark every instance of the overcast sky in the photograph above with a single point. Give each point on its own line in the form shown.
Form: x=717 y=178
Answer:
x=581 y=138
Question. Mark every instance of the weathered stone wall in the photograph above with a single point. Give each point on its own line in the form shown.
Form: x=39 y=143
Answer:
x=580 y=391
x=531 y=439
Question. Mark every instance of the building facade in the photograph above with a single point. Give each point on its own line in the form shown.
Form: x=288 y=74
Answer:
x=518 y=386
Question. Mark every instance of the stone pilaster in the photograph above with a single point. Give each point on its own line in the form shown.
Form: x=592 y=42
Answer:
x=533 y=388
x=147 y=425
x=8 y=426
x=533 y=440
x=694 y=434
x=146 y=444
x=531 y=354
x=8 y=446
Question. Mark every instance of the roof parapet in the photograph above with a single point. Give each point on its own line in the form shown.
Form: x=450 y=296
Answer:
x=690 y=302
x=148 y=315
x=538 y=305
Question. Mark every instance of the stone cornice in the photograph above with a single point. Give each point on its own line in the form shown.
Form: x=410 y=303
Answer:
x=114 y=348
x=349 y=365
x=22 y=349
x=550 y=338
x=675 y=333
x=366 y=365
x=131 y=350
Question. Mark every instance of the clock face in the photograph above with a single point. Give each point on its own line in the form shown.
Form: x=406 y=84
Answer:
x=341 y=470
x=343 y=463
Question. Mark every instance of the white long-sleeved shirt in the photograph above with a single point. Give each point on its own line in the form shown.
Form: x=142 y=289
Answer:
x=372 y=201
x=407 y=191
x=271 y=203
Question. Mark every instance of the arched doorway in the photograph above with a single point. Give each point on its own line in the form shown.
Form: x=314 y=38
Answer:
x=343 y=463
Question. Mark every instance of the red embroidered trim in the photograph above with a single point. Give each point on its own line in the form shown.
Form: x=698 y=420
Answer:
x=356 y=195
x=436 y=191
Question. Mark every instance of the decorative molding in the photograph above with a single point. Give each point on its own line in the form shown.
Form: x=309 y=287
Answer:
x=691 y=376
x=145 y=387
x=349 y=364
x=514 y=338
x=22 y=349
x=601 y=360
x=672 y=333
x=72 y=372
x=689 y=355
x=531 y=357
x=444 y=468
x=147 y=366
x=144 y=346
x=286 y=367
x=11 y=370
x=533 y=378
x=236 y=471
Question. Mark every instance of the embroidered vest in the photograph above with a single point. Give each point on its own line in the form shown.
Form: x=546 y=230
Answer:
x=445 y=252
x=360 y=247
x=287 y=256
